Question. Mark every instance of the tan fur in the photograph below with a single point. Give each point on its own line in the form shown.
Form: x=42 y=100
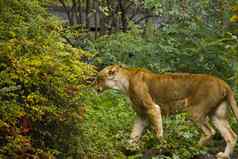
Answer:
x=203 y=96
x=137 y=130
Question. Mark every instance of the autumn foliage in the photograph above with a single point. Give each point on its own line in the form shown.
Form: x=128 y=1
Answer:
x=41 y=83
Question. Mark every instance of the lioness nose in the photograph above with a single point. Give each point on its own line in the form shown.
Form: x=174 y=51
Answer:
x=99 y=90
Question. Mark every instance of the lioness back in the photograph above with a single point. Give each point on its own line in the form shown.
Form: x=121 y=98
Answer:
x=172 y=87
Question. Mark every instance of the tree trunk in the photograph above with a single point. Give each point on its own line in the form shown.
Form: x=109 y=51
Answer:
x=221 y=14
x=79 y=13
x=102 y=24
x=123 y=15
x=73 y=11
x=67 y=11
x=95 y=5
x=183 y=6
x=87 y=14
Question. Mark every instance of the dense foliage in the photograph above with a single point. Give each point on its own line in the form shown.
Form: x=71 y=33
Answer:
x=41 y=84
x=47 y=106
x=181 y=47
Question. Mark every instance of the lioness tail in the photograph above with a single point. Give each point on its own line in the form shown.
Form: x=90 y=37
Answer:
x=232 y=102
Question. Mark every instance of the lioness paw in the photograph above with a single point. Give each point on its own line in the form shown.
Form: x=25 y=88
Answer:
x=159 y=135
x=222 y=155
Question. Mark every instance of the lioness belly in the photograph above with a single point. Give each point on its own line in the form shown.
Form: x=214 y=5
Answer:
x=174 y=107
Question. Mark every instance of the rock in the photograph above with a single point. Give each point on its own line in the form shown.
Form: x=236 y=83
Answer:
x=206 y=156
x=149 y=153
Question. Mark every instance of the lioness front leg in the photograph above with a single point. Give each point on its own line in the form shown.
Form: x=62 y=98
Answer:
x=137 y=130
x=152 y=110
x=154 y=115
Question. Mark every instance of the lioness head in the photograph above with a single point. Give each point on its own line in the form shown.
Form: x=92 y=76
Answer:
x=111 y=77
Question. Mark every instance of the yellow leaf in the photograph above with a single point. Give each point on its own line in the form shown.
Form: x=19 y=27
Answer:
x=12 y=34
x=234 y=18
x=235 y=8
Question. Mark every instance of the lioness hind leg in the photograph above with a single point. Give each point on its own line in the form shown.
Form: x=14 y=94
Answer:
x=219 y=119
x=207 y=132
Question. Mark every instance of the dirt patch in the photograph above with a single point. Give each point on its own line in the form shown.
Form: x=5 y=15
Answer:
x=148 y=154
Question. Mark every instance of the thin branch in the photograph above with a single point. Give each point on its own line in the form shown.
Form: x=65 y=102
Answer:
x=128 y=6
x=144 y=18
x=68 y=40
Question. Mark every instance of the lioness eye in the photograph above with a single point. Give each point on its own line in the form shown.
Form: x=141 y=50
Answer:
x=111 y=72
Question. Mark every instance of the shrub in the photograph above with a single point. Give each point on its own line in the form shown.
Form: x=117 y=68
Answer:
x=42 y=84
x=172 y=49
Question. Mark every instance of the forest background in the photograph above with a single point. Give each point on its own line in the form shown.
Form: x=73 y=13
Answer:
x=50 y=50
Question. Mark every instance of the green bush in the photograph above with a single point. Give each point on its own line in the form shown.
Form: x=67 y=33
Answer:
x=107 y=125
x=175 y=48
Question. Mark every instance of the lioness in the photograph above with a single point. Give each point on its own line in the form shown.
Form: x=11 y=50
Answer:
x=204 y=96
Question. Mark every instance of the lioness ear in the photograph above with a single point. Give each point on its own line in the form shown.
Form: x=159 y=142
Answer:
x=122 y=65
x=113 y=70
